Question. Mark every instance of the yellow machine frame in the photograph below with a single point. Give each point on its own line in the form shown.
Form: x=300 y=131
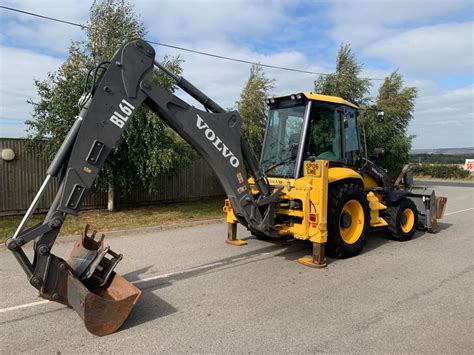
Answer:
x=312 y=191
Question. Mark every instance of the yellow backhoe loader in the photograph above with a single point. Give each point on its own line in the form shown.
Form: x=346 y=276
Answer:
x=330 y=192
x=312 y=183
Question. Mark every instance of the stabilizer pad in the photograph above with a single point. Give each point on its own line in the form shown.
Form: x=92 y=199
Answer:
x=237 y=242
x=308 y=261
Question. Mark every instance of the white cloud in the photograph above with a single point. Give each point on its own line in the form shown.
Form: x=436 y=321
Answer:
x=224 y=80
x=411 y=35
x=18 y=69
x=70 y=10
x=206 y=21
x=362 y=22
x=444 y=119
x=422 y=40
x=440 y=107
x=405 y=34
x=445 y=48
x=220 y=27
x=32 y=32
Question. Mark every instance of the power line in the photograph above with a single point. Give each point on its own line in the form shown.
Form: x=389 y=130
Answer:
x=44 y=17
x=177 y=47
x=236 y=59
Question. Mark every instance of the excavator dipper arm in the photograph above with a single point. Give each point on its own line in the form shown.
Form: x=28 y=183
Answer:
x=86 y=281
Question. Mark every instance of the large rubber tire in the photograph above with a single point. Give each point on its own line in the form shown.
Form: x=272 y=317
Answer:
x=266 y=238
x=347 y=236
x=402 y=220
x=262 y=237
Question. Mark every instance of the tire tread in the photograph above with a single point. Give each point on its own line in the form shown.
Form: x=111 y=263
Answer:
x=335 y=244
x=391 y=216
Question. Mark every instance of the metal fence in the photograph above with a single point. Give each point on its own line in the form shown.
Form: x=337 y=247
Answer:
x=21 y=178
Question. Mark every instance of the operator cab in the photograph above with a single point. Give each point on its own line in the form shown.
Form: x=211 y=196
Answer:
x=309 y=126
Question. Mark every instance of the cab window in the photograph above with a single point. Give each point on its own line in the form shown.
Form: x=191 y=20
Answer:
x=282 y=140
x=324 y=134
x=352 y=144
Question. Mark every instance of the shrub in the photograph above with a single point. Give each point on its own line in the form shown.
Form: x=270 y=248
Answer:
x=440 y=158
x=440 y=171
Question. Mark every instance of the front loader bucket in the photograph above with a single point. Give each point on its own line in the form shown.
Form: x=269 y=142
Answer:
x=101 y=297
x=430 y=206
x=440 y=206
x=104 y=309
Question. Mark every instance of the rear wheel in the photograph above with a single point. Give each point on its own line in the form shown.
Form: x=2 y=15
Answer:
x=402 y=220
x=348 y=220
x=267 y=238
x=260 y=236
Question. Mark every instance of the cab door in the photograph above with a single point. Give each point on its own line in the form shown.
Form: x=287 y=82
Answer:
x=351 y=140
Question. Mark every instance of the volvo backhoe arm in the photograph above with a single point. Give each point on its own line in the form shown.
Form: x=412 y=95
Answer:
x=87 y=281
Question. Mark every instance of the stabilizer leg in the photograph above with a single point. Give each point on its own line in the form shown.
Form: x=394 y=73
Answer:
x=232 y=235
x=318 y=259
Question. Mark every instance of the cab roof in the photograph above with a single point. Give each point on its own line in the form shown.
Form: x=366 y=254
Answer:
x=327 y=98
x=319 y=97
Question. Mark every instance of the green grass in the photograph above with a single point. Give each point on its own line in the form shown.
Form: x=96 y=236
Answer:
x=125 y=218
x=429 y=177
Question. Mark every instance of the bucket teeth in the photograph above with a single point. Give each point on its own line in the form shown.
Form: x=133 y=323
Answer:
x=91 y=261
x=89 y=242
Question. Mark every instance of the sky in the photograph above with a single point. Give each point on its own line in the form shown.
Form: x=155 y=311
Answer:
x=430 y=42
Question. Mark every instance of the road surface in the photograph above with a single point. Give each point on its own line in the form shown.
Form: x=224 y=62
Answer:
x=202 y=295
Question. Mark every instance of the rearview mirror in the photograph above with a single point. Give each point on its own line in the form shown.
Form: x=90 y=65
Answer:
x=408 y=178
x=378 y=153
x=380 y=116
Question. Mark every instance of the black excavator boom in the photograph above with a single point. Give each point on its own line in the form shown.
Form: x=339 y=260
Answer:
x=87 y=281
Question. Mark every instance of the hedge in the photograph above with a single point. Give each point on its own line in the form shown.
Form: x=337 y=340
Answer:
x=439 y=158
x=440 y=171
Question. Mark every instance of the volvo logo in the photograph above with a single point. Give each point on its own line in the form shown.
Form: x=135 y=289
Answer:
x=216 y=141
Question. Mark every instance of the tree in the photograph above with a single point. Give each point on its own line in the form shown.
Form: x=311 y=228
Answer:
x=252 y=107
x=147 y=147
x=345 y=82
x=398 y=103
x=393 y=99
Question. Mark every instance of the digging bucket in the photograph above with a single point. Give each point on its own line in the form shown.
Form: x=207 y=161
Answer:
x=101 y=297
x=103 y=309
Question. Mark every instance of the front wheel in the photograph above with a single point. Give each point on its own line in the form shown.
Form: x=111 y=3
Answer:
x=402 y=220
x=348 y=220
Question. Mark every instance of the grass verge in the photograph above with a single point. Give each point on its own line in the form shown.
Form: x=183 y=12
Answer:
x=429 y=177
x=126 y=218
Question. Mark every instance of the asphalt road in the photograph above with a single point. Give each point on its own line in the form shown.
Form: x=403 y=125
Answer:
x=202 y=295
x=435 y=182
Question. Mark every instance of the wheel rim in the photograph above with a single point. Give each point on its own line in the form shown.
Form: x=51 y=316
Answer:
x=407 y=220
x=351 y=221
